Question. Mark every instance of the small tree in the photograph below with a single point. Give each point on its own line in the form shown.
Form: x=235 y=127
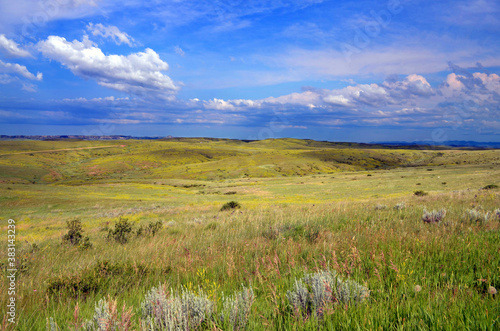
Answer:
x=75 y=232
x=230 y=205
x=122 y=230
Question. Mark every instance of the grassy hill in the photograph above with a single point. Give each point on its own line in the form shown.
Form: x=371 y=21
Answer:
x=73 y=162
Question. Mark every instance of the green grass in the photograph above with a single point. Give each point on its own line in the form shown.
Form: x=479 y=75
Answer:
x=305 y=206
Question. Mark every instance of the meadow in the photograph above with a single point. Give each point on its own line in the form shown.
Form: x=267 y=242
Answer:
x=324 y=236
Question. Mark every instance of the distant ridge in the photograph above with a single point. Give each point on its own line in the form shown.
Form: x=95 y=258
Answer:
x=394 y=144
x=79 y=137
x=450 y=143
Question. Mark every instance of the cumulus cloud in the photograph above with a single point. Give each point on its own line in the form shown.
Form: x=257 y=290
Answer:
x=111 y=32
x=478 y=87
x=219 y=104
x=17 y=69
x=392 y=92
x=11 y=48
x=138 y=73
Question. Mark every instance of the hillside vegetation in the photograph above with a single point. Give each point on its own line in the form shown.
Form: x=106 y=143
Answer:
x=74 y=162
x=278 y=234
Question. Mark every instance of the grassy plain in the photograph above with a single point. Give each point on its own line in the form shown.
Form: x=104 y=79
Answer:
x=306 y=206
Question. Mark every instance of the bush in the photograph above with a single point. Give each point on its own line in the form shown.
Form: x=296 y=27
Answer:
x=230 y=205
x=150 y=230
x=184 y=311
x=103 y=277
x=380 y=207
x=236 y=309
x=400 y=206
x=490 y=187
x=319 y=291
x=433 y=216
x=420 y=193
x=476 y=216
x=85 y=244
x=106 y=317
x=298 y=231
x=75 y=232
x=122 y=231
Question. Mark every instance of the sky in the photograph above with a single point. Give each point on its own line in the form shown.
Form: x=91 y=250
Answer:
x=361 y=71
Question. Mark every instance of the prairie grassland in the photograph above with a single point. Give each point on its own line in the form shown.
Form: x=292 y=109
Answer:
x=306 y=206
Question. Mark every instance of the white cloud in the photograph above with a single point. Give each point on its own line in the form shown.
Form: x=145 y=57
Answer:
x=28 y=87
x=33 y=14
x=108 y=100
x=111 y=32
x=218 y=104
x=179 y=51
x=337 y=100
x=138 y=73
x=304 y=99
x=491 y=82
x=452 y=85
x=12 y=48
x=14 y=68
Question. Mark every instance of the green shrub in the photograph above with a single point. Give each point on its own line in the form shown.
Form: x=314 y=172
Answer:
x=75 y=232
x=490 y=187
x=230 y=205
x=121 y=232
x=85 y=244
x=150 y=230
x=297 y=231
x=98 y=279
x=420 y=193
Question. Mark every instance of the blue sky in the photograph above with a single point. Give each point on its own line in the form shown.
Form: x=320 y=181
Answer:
x=328 y=70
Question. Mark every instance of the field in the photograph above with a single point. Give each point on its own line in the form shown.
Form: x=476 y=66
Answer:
x=309 y=211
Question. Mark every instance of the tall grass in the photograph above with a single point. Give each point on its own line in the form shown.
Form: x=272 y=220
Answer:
x=390 y=252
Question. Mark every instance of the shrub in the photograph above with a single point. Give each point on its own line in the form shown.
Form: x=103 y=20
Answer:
x=100 y=278
x=400 y=206
x=380 y=207
x=236 y=309
x=476 y=216
x=230 y=205
x=420 y=193
x=106 y=317
x=490 y=187
x=433 y=216
x=150 y=230
x=75 y=232
x=162 y=311
x=497 y=213
x=122 y=231
x=85 y=244
x=319 y=291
